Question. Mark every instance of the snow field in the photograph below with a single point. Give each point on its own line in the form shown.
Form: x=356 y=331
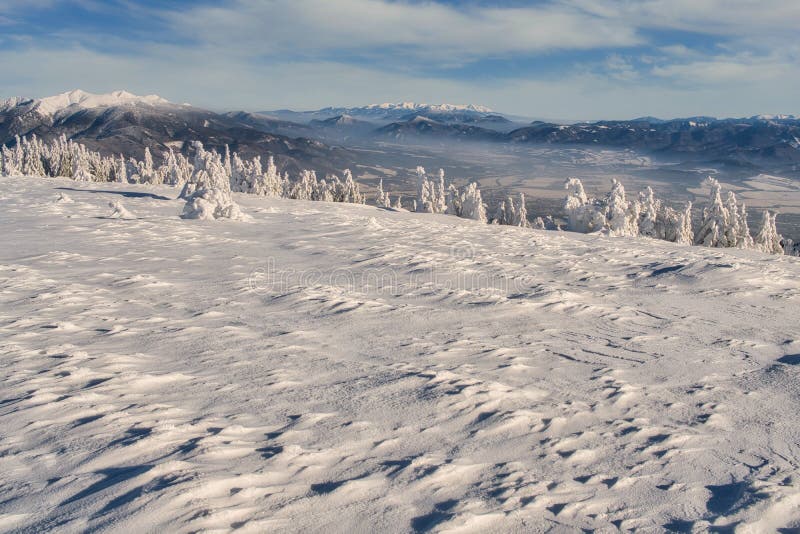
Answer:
x=262 y=375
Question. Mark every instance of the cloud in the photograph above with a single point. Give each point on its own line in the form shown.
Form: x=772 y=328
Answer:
x=602 y=57
x=428 y=31
x=215 y=82
x=725 y=70
x=712 y=17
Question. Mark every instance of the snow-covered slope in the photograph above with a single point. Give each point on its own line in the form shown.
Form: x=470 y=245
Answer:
x=82 y=100
x=438 y=108
x=341 y=368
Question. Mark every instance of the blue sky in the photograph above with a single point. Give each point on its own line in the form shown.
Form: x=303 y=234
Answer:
x=558 y=59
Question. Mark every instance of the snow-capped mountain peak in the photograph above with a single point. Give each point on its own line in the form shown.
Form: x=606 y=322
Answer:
x=778 y=117
x=413 y=106
x=82 y=99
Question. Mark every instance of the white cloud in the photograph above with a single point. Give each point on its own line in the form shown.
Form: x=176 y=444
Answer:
x=218 y=83
x=711 y=17
x=310 y=53
x=426 y=30
x=721 y=71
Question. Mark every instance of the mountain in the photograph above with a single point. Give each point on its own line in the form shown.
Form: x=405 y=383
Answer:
x=743 y=141
x=121 y=122
x=346 y=124
x=746 y=142
x=391 y=112
x=421 y=126
x=328 y=367
x=77 y=99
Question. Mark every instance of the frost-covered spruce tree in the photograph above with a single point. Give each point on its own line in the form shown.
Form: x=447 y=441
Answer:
x=32 y=157
x=60 y=160
x=351 y=191
x=768 y=239
x=19 y=156
x=583 y=214
x=430 y=198
x=521 y=213
x=740 y=234
x=80 y=165
x=398 y=203
x=676 y=225
x=715 y=228
x=453 y=201
x=227 y=161
x=381 y=197
x=472 y=204
x=270 y=183
x=147 y=174
x=500 y=216
x=439 y=195
x=121 y=171
x=424 y=202
x=176 y=169
x=303 y=188
x=622 y=216
x=509 y=213
x=239 y=182
x=685 y=234
x=199 y=164
x=649 y=220
x=10 y=165
x=324 y=192
x=208 y=193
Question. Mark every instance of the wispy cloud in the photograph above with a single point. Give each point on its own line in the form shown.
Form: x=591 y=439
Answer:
x=428 y=31
x=556 y=58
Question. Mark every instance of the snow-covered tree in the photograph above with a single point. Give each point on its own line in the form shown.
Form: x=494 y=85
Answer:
x=208 y=192
x=675 y=226
x=714 y=230
x=350 y=191
x=80 y=166
x=381 y=197
x=438 y=194
x=32 y=157
x=269 y=182
x=622 y=216
x=511 y=212
x=521 y=215
x=583 y=214
x=500 y=216
x=649 y=224
x=453 y=201
x=424 y=202
x=121 y=171
x=472 y=204
x=10 y=164
x=768 y=239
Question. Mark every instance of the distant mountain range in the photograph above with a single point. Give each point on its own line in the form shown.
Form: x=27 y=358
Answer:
x=121 y=122
x=385 y=113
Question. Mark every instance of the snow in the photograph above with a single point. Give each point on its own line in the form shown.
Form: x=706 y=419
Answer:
x=342 y=368
x=413 y=106
x=81 y=99
x=775 y=117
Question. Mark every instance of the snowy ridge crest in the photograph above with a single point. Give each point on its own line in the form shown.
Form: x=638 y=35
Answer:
x=84 y=100
x=413 y=106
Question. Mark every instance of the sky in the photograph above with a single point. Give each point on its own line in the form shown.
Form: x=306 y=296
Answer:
x=550 y=59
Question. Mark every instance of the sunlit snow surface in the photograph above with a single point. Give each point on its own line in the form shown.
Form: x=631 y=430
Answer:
x=340 y=368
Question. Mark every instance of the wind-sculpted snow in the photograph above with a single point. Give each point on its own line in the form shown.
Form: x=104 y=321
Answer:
x=324 y=367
